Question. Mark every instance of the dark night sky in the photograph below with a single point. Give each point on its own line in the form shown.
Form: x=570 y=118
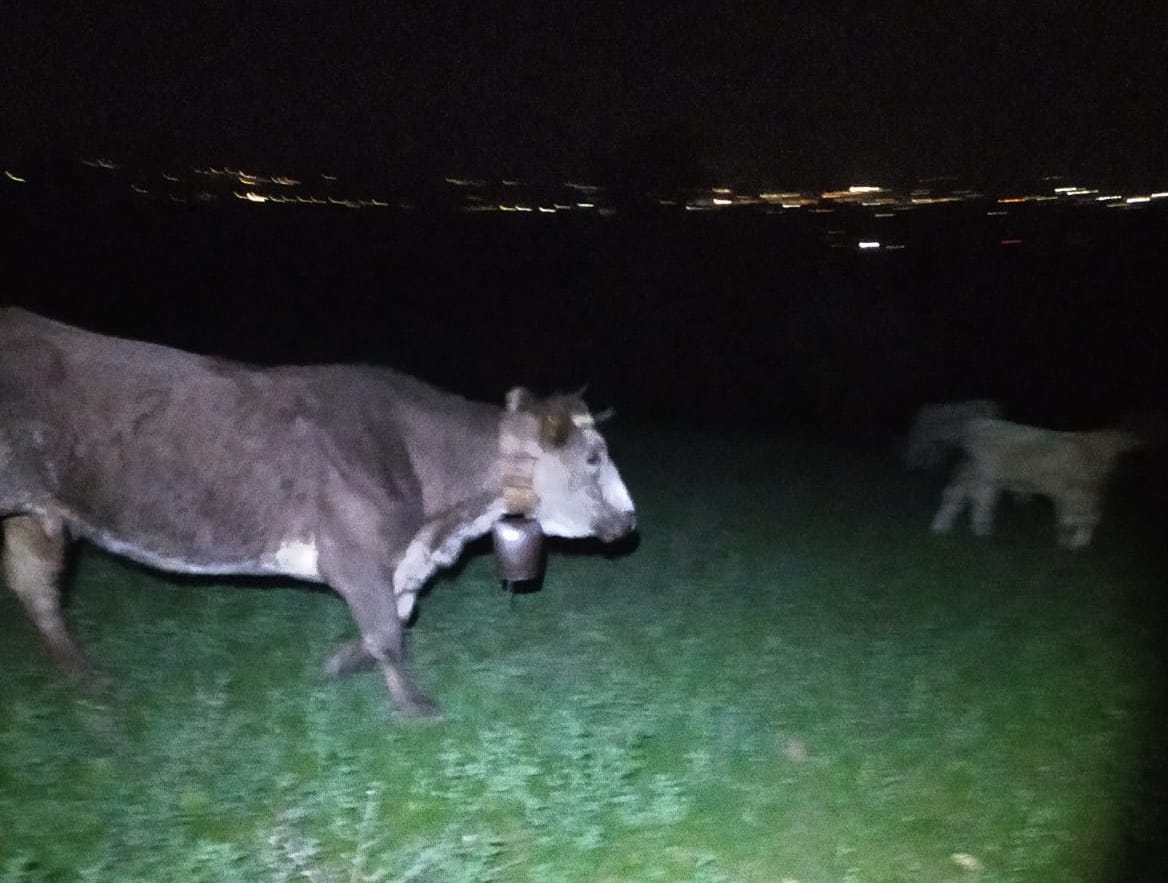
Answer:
x=810 y=94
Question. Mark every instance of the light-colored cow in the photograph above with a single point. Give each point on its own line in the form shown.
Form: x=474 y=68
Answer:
x=939 y=428
x=1071 y=468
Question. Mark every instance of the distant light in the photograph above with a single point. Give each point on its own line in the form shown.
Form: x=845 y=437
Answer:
x=722 y=190
x=1009 y=242
x=252 y=196
x=868 y=243
x=1108 y=197
x=1160 y=195
x=864 y=189
x=522 y=208
x=1000 y=214
x=720 y=201
x=138 y=189
x=1135 y=199
x=585 y=205
x=14 y=177
x=546 y=211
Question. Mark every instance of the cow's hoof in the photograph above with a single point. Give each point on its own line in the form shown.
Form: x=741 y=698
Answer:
x=420 y=708
x=79 y=670
x=349 y=658
x=89 y=680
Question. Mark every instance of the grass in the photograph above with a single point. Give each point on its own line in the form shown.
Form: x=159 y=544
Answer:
x=788 y=679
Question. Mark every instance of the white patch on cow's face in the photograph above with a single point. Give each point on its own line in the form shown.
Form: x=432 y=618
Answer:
x=581 y=493
x=298 y=558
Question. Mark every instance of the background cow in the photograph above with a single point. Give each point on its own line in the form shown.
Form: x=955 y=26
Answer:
x=1071 y=468
x=355 y=476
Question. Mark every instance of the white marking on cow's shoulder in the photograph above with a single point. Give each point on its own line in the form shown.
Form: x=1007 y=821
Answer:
x=298 y=558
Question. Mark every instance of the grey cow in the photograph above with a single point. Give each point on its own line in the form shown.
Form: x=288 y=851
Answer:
x=354 y=476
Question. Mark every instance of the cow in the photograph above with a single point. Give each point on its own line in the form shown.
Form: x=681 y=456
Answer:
x=1071 y=468
x=354 y=476
x=939 y=428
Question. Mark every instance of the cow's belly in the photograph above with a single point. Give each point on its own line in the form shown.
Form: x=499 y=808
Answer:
x=230 y=513
x=173 y=558
x=197 y=551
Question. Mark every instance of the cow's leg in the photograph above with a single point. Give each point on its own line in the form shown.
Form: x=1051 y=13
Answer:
x=382 y=637
x=1076 y=523
x=34 y=558
x=368 y=590
x=952 y=502
x=984 y=498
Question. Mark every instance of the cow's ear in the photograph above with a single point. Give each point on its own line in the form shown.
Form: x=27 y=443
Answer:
x=555 y=426
x=519 y=398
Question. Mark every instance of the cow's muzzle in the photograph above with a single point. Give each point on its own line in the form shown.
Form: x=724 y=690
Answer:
x=616 y=526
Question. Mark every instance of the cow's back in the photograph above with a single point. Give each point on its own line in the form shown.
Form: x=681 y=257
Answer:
x=187 y=461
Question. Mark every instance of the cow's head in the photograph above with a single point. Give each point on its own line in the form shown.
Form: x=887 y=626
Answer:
x=1079 y=504
x=553 y=447
x=940 y=430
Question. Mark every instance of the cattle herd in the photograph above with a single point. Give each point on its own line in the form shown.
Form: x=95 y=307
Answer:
x=367 y=480
x=993 y=455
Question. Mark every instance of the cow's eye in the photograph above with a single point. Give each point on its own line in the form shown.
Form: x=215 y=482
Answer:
x=594 y=458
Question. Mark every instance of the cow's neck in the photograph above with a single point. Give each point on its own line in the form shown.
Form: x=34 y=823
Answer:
x=518 y=452
x=474 y=452
x=453 y=448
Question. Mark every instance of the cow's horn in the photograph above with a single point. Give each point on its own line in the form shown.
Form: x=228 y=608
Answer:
x=606 y=414
x=519 y=398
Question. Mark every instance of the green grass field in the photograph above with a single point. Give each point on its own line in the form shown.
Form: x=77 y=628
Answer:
x=788 y=679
